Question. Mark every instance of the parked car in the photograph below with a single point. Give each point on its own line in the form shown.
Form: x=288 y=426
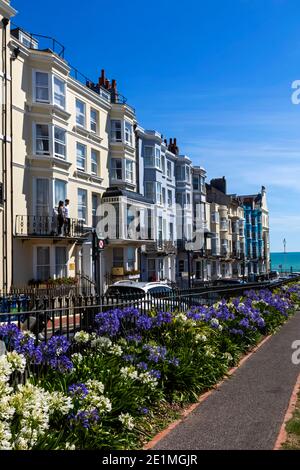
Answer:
x=143 y=295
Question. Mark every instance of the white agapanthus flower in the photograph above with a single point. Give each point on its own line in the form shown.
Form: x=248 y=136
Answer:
x=81 y=337
x=5 y=436
x=129 y=373
x=127 y=420
x=5 y=369
x=200 y=338
x=181 y=316
x=70 y=446
x=77 y=357
x=59 y=403
x=17 y=361
x=116 y=350
x=148 y=379
x=101 y=342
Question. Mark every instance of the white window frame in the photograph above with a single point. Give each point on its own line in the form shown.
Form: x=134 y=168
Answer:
x=157 y=155
x=34 y=82
x=36 y=151
x=65 y=265
x=94 y=122
x=114 y=130
x=169 y=169
x=159 y=199
x=62 y=143
x=80 y=114
x=128 y=132
x=168 y=194
x=129 y=171
x=94 y=164
x=36 y=265
x=84 y=219
x=80 y=168
x=56 y=77
x=114 y=169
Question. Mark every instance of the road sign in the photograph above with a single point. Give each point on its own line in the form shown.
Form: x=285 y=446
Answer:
x=101 y=244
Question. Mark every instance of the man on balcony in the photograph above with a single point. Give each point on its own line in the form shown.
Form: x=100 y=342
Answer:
x=60 y=218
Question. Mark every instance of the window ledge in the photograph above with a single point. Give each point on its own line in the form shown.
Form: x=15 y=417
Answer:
x=50 y=108
x=96 y=179
x=52 y=160
x=81 y=130
x=82 y=174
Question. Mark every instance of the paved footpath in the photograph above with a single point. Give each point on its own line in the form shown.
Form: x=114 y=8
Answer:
x=248 y=409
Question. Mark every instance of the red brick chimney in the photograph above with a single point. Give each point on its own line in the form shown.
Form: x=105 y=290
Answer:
x=107 y=84
x=102 y=78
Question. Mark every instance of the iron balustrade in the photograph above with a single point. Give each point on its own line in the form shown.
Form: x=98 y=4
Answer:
x=46 y=316
x=47 y=226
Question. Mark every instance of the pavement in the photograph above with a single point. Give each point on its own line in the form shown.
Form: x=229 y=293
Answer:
x=248 y=409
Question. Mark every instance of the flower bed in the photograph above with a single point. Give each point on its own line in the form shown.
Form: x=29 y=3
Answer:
x=109 y=393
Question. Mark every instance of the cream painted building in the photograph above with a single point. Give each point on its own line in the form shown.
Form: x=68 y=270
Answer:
x=60 y=151
x=6 y=197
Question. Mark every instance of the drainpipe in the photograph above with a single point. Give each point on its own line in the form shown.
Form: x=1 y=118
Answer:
x=5 y=22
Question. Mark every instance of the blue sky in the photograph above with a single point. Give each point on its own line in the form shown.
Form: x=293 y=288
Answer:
x=215 y=74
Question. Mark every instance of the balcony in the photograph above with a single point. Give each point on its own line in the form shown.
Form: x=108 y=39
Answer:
x=32 y=226
x=163 y=247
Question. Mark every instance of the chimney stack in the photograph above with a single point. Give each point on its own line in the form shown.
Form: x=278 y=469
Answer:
x=107 y=84
x=102 y=78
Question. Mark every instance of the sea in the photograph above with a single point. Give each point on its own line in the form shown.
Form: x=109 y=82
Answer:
x=285 y=262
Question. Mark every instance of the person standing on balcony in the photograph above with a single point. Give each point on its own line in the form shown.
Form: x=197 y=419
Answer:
x=67 y=218
x=60 y=217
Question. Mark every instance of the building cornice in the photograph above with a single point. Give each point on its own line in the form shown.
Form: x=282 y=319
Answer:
x=6 y=9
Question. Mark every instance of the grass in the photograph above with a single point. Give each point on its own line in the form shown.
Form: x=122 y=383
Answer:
x=293 y=430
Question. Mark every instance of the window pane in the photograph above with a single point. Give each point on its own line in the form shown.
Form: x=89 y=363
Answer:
x=118 y=258
x=42 y=86
x=82 y=198
x=42 y=139
x=43 y=263
x=61 y=262
x=42 y=197
x=129 y=170
x=116 y=167
x=128 y=132
x=116 y=131
x=59 y=142
x=81 y=156
x=94 y=120
x=60 y=191
x=80 y=113
x=94 y=162
x=59 y=92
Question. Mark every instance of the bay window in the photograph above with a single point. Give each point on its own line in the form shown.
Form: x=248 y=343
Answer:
x=42 y=139
x=116 y=131
x=82 y=204
x=80 y=113
x=116 y=169
x=59 y=142
x=129 y=171
x=48 y=88
x=80 y=156
x=94 y=162
x=42 y=201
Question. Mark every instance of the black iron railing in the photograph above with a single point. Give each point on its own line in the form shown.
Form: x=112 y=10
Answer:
x=46 y=315
x=1 y=194
x=48 y=226
x=38 y=41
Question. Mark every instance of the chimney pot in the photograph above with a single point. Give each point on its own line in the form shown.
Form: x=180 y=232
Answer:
x=107 y=84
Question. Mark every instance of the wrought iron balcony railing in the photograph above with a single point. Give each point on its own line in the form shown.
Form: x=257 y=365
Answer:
x=47 y=226
x=161 y=246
